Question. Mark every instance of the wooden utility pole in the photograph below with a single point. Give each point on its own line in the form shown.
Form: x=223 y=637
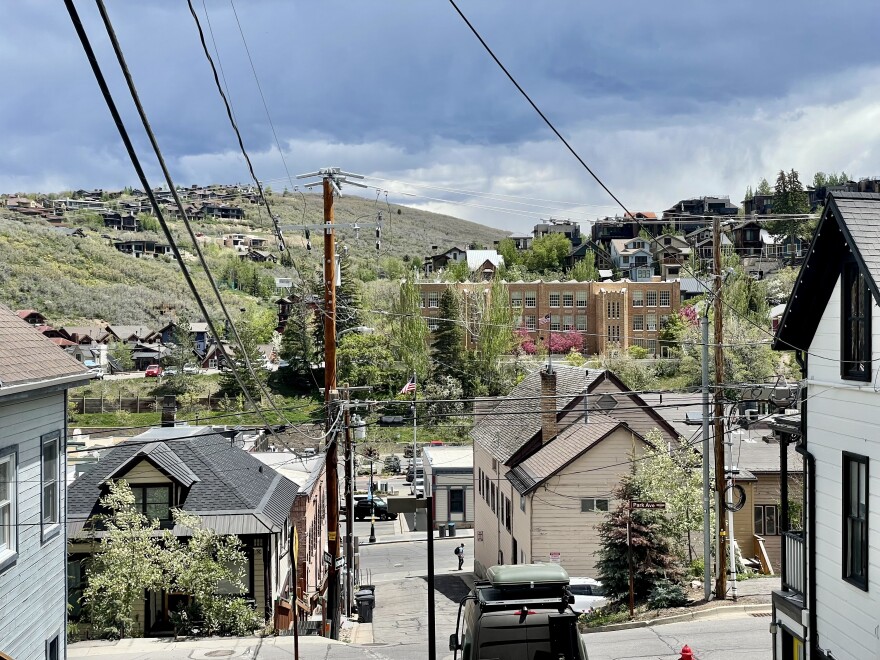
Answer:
x=330 y=396
x=720 y=480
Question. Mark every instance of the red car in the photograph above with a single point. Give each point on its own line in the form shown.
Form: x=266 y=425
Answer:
x=153 y=371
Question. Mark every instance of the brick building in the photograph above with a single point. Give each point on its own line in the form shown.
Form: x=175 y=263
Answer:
x=609 y=314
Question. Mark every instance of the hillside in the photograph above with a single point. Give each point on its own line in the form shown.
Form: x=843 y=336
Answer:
x=73 y=279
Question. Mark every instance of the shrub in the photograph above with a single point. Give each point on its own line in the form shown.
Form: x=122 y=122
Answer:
x=666 y=594
x=638 y=352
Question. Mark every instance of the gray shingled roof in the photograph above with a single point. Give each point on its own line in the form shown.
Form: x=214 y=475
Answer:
x=758 y=456
x=517 y=418
x=26 y=356
x=861 y=213
x=570 y=443
x=235 y=492
x=164 y=458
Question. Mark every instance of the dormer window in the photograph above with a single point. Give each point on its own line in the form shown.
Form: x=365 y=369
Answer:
x=855 y=351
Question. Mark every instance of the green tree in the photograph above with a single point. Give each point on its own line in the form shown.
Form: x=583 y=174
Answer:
x=128 y=562
x=367 y=359
x=507 y=249
x=448 y=349
x=409 y=332
x=121 y=353
x=652 y=558
x=820 y=180
x=790 y=199
x=392 y=267
x=495 y=337
x=749 y=194
x=764 y=188
x=547 y=253
x=298 y=348
x=672 y=473
x=457 y=272
x=248 y=352
x=149 y=222
x=182 y=352
x=585 y=270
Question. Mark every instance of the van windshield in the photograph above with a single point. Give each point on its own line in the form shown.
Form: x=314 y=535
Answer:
x=522 y=643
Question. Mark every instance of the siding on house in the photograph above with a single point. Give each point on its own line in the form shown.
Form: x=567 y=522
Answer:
x=144 y=473
x=557 y=522
x=744 y=522
x=843 y=418
x=766 y=491
x=32 y=592
x=259 y=582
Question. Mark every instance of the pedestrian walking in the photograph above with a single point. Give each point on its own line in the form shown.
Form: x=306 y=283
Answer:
x=459 y=551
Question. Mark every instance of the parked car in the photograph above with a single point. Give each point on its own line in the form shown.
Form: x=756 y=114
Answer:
x=588 y=594
x=190 y=369
x=418 y=487
x=169 y=371
x=414 y=471
x=153 y=371
x=365 y=508
x=392 y=464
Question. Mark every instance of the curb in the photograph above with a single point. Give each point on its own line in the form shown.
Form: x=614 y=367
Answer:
x=678 y=618
x=421 y=540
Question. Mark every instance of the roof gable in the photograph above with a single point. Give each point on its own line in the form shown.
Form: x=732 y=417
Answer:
x=850 y=226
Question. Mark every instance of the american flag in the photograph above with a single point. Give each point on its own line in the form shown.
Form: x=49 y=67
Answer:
x=410 y=385
x=544 y=320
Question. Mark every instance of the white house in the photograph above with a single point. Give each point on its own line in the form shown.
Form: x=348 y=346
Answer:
x=829 y=604
x=449 y=476
x=633 y=258
x=34 y=378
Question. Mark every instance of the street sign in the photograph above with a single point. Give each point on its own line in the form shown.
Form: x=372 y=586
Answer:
x=340 y=562
x=555 y=557
x=331 y=536
x=328 y=558
x=646 y=505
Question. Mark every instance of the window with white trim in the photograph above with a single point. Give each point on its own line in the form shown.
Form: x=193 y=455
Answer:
x=652 y=298
x=531 y=299
x=594 y=505
x=638 y=322
x=582 y=322
x=433 y=300
x=568 y=322
x=567 y=299
x=652 y=322
x=652 y=347
x=766 y=517
x=665 y=298
x=50 y=478
x=433 y=324
x=581 y=298
x=516 y=299
x=531 y=322
x=554 y=300
x=638 y=298
x=554 y=322
x=8 y=505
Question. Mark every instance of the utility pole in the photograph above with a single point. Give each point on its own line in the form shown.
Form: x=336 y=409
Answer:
x=331 y=180
x=349 y=504
x=718 y=416
x=707 y=502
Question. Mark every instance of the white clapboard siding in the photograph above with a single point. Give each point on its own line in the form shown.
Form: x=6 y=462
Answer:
x=843 y=418
x=32 y=592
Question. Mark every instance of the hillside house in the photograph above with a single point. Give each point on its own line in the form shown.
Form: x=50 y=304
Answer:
x=830 y=595
x=31 y=317
x=119 y=222
x=144 y=248
x=670 y=252
x=440 y=261
x=571 y=230
x=204 y=474
x=544 y=475
x=223 y=211
x=199 y=332
x=34 y=379
x=633 y=258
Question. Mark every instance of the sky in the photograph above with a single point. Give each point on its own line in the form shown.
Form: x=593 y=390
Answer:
x=664 y=101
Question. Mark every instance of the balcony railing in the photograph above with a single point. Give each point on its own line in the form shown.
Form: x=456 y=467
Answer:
x=794 y=577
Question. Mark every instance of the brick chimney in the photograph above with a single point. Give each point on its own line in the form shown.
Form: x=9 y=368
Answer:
x=548 y=405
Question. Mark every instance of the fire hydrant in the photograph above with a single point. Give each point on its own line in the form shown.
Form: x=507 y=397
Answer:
x=686 y=653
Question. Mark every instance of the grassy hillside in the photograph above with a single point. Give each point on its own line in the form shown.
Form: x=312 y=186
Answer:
x=75 y=279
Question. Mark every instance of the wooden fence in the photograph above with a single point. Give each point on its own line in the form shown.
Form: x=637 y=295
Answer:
x=139 y=404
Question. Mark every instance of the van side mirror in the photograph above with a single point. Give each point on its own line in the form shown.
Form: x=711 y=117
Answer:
x=453 y=642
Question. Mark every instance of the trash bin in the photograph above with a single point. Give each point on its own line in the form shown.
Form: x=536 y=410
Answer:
x=452 y=529
x=365 y=602
x=442 y=529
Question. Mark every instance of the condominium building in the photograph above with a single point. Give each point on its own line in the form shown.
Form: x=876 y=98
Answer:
x=609 y=315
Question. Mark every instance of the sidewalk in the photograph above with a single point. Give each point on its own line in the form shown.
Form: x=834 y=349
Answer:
x=194 y=648
x=407 y=535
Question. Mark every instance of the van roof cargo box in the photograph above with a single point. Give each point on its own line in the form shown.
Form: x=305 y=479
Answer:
x=527 y=575
x=516 y=586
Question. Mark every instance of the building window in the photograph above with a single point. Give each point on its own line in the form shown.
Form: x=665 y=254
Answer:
x=554 y=322
x=582 y=322
x=516 y=299
x=492 y=499
x=855 y=520
x=594 y=505
x=766 y=517
x=665 y=298
x=581 y=298
x=614 y=333
x=531 y=322
x=507 y=513
x=456 y=500
x=856 y=316
x=8 y=507
x=652 y=347
x=652 y=322
x=522 y=503
x=613 y=309
x=52 y=648
x=567 y=322
x=531 y=299
x=554 y=300
x=638 y=322
x=568 y=299
x=638 y=298
x=421 y=301
x=153 y=501
x=433 y=300
x=50 y=478
x=433 y=324
x=480 y=485
x=652 y=298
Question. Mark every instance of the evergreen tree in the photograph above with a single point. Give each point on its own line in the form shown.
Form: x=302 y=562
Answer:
x=495 y=337
x=790 y=199
x=229 y=386
x=348 y=303
x=764 y=188
x=448 y=350
x=749 y=194
x=653 y=560
x=507 y=249
x=182 y=353
x=298 y=348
